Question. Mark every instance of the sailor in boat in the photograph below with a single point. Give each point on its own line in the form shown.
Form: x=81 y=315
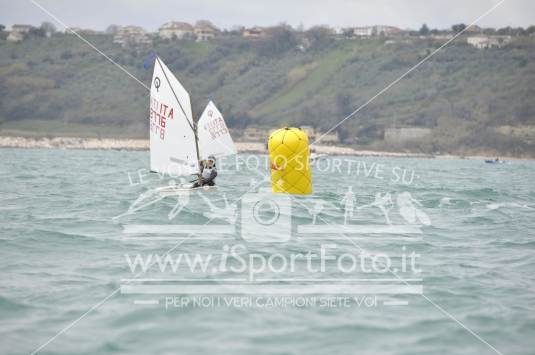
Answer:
x=208 y=173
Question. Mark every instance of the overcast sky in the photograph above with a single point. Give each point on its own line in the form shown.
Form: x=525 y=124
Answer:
x=98 y=14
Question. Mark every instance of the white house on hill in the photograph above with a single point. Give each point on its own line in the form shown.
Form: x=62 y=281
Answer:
x=131 y=36
x=175 y=29
x=17 y=32
x=484 y=42
x=205 y=31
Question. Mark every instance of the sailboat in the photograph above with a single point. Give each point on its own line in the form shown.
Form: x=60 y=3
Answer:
x=178 y=142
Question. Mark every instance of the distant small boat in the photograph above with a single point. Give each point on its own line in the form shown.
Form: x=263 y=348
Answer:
x=494 y=161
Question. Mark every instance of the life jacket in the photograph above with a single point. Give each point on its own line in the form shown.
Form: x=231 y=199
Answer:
x=207 y=172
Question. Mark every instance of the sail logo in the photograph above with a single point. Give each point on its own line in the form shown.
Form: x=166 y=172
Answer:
x=216 y=126
x=159 y=113
x=157 y=83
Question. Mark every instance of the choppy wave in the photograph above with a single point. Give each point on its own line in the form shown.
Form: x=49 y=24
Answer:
x=62 y=251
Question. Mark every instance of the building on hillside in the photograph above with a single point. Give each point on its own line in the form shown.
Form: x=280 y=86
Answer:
x=310 y=132
x=205 y=31
x=474 y=29
x=18 y=32
x=484 y=42
x=255 y=32
x=327 y=138
x=131 y=36
x=363 y=31
x=386 y=30
x=15 y=36
x=399 y=135
x=178 y=30
x=370 y=31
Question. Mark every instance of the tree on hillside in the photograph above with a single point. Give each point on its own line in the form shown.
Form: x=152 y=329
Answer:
x=2 y=27
x=236 y=30
x=344 y=106
x=347 y=32
x=189 y=36
x=37 y=32
x=238 y=120
x=112 y=29
x=318 y=36
x=424 y=30
x=458 y=28
x=519 y=31
x=48 y=28
x=279 y=40
x=510 y=31
x=504 y=31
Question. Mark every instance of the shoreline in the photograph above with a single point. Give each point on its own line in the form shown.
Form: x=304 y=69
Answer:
x=78 y=143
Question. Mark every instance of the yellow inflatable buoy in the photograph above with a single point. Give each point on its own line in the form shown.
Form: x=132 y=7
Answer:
x=289 y=158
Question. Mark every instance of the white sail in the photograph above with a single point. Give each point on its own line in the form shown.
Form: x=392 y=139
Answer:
x=172 y=139
x=214 y=136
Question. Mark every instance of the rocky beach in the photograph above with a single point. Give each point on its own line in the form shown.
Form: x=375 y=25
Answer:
x=143 y=144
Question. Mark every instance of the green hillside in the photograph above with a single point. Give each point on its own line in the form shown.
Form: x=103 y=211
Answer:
x=471 y=100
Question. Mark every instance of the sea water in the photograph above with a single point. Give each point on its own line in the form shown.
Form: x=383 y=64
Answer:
x=459 y=232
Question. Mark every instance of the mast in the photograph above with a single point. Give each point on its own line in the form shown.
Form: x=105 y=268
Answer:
x=195 y=130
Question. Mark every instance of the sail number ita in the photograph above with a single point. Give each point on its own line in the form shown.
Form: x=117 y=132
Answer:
x=159 y=113
x=216 y=125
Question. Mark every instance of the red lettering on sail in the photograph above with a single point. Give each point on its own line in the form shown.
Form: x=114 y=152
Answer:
x=158 y=116
x=216 y=127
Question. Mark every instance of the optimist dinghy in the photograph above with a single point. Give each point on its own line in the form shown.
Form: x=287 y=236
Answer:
x=182 y=189
x=177 y=142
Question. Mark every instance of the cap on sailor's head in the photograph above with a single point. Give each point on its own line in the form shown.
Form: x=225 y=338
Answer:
x=211 y=157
